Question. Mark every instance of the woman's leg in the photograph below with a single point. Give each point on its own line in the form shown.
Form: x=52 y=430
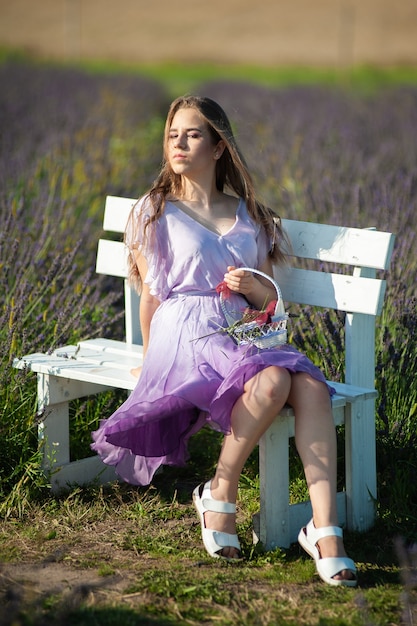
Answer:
x=315 y=438
x=264 y=396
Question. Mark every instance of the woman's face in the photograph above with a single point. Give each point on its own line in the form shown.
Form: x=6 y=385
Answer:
x=190 y=149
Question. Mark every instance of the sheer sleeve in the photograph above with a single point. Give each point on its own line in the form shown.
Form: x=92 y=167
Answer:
x=151 y=240
x=135 y=227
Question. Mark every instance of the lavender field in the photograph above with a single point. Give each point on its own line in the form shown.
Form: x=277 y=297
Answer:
x=69 y=138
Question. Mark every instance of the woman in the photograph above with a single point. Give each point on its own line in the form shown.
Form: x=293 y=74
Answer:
x=186 y=236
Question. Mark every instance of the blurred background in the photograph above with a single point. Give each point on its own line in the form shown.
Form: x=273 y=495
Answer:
x=328 y=33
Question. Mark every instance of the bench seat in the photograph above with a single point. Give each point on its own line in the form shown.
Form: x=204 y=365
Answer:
x=100 y=361
x=99 y=365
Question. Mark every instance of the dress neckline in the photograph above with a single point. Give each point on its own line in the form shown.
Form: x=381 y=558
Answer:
x=206 y=228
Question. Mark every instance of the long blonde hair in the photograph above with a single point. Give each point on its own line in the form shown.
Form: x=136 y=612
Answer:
x=231 y=172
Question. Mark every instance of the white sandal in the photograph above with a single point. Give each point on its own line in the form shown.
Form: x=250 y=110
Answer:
x=214 y=540
x=330 y=566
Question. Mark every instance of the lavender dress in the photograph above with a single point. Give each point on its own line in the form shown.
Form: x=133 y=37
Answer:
x=192 y=375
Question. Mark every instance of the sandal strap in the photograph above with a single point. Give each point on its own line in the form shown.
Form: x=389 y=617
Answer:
x=215 y=506
x=315 y=534
x=219 y=540
x=331 y=566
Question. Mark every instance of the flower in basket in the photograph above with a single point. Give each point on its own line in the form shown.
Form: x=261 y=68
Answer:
x=259 y=317
x=262 y=327
x=254 y=325
x=264 y=316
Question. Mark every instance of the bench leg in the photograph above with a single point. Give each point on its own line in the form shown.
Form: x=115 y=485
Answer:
x=54 y=395
x=53 y=431
x=274 y=518
x=53 y=434
x=278 y=522
x=361 y=489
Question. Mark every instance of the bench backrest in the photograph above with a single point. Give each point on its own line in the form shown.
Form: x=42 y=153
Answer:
x=352 y=287
x=353 y=254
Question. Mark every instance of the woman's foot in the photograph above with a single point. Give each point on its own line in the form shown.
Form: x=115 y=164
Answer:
x=136 y=371
x=325 y=546
x=218 y=524
x=333 y=547
x=223 y=523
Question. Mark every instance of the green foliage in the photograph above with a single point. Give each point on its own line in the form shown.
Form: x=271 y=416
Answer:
x=180 y=78
x=68 y=139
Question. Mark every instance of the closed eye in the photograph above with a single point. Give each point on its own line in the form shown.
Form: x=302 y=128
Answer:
x=192 y=133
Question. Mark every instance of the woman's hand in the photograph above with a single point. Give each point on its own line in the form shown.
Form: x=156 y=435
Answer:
x=239 y=281
x=258 y=291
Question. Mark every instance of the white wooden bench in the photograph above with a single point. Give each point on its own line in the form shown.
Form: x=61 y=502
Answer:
x=98 y=365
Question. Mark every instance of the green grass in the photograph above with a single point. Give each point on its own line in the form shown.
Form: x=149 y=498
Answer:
x=105 y=554
x=121 y=554
x=136 y=554
x=181 y=78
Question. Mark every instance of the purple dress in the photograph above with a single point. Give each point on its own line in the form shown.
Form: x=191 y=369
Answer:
x=192 y=375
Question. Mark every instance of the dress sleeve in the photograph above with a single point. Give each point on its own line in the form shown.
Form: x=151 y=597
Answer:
x=152 y=245
x=134 y=233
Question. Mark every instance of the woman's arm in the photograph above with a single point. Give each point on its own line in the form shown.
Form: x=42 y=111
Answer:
x=148 y=303
x=147 y=307
x=256 y=289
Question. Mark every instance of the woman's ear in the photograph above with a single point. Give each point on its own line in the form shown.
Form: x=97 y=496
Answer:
x=219 y=149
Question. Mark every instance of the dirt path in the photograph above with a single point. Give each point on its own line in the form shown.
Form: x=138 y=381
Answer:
x=324 y=32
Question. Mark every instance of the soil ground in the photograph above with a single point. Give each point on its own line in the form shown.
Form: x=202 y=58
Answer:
x=329 y=33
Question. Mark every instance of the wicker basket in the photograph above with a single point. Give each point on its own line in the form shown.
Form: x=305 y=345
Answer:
x=261 y=335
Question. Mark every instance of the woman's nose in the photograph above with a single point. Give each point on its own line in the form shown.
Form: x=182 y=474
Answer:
x=180 y=140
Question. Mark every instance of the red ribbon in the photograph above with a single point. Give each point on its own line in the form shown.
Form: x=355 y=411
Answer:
x=223 y=289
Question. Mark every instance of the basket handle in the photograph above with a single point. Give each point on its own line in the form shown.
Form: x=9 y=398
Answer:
x=279 y=308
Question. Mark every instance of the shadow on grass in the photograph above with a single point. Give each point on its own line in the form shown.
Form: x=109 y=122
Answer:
x=204 y=450
x=17 y=612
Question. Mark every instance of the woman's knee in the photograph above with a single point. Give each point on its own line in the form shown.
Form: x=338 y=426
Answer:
x=306 y=389
x=271 y=386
